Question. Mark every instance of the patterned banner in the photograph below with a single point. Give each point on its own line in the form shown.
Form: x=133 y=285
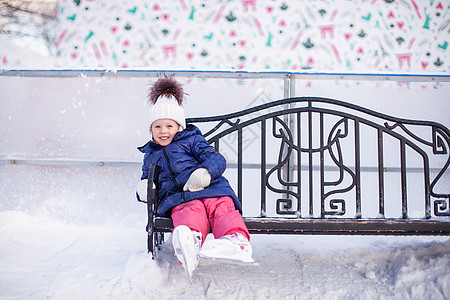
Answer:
x=335 y=35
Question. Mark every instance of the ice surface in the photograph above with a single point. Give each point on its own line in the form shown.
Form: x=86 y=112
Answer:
x=79 y=233
x=44 y=257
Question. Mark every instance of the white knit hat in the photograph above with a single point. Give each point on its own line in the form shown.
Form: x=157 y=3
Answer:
x=166 y=97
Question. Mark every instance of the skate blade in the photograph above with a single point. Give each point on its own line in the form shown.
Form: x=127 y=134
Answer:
x=230 y=261
x=186 y=267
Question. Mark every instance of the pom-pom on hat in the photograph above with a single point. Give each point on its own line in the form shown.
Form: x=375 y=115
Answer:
x=166 y=97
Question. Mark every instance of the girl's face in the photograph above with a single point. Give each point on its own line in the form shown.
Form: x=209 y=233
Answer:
x=164 y=130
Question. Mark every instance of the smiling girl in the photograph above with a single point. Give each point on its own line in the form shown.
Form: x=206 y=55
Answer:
x=190 y=184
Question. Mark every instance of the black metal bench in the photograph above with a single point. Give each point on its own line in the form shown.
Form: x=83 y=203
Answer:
x=321 y=166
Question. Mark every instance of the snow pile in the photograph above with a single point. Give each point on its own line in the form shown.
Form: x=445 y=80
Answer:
x=42 y=257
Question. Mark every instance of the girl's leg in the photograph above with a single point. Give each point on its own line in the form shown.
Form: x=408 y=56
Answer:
x=193 y=215
x=225 y=219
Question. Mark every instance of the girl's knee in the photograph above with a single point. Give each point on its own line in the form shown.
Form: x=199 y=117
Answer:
x=192 y=214
x=225 y=205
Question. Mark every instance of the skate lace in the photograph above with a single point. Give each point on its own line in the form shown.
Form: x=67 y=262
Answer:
x=239 y=240
x=197 y=238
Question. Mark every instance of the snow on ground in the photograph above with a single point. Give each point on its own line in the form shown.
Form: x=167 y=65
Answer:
x=61 y=239
x=49 y=258
x=71 y=232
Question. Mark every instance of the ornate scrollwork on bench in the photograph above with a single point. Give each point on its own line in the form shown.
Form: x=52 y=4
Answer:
x=322 y=166
x=319 y=142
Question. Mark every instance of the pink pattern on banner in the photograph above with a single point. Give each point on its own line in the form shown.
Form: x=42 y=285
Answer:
x=169 y=50
x=297 y=40
x=327 y=29
x=183 y=4
x=201 y=35
x=416 y=8
x=103 y=47
x=249 y=3
x=411 y=42
x=96 y=51
x=336 y=54
x=404 y=57
x=377 y=62
x=219 y=13
x=61 y=38
x=176 y=34
x=258 y=25
x=333 y=15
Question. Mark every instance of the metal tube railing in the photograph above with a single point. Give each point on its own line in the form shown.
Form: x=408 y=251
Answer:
x=288 y=77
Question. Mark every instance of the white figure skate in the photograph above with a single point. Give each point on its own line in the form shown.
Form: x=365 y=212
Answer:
x=234 y=248
x=186 y=244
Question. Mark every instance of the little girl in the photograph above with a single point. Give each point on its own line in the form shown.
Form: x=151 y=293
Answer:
x=191 y=188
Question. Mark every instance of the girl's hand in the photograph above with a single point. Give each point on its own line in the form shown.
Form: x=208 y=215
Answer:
x=198 y=180
x=141 y=189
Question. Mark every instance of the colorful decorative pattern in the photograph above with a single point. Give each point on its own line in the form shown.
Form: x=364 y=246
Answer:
x=329 y=35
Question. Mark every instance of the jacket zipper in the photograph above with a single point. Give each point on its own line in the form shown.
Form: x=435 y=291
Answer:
x=173 y=174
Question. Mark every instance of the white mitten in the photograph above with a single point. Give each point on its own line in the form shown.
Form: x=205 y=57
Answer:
x=198 y=180
x=141 y=189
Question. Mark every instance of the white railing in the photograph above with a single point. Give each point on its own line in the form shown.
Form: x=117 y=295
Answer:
x=287 y=80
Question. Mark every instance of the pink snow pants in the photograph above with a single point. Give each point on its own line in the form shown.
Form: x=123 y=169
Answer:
x=219 y=214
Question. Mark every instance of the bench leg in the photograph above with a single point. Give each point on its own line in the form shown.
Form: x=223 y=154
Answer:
x=151 y=199
x=154 y=241
x=151 y=243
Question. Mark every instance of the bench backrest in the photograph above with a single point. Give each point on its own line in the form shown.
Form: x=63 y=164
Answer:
x=313 y=157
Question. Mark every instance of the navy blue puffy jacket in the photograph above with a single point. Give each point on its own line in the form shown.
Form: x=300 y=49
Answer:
x=188 y=151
